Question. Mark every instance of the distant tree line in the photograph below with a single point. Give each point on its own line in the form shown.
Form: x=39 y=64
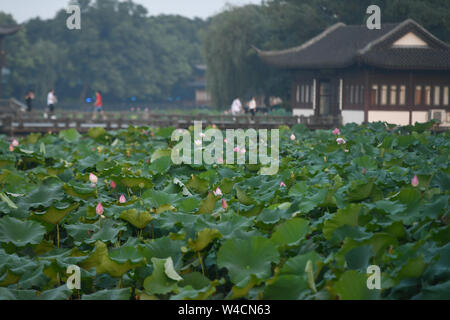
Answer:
x=234 y=68
x=120 y=50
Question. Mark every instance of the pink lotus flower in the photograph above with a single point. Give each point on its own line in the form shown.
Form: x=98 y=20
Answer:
x=93 y=179
x=122 y=199
x=214 y=126
x=202 y=135
x=220 y=160
x=340 y=141
x=152 y=134
x=225 y=140
x=198 y=143
x=224 y=203
x=336 y=132
x=282 y=184
x=237 y=149
x=218 y=192
x=242 y=151
x=113 y=184
x=15 y=143
x=292 y=137
x=11 y=148
x=99 y=210
x=415 y=181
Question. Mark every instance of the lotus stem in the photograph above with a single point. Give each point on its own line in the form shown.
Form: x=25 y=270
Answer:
x=201 y=262
x=57 y=233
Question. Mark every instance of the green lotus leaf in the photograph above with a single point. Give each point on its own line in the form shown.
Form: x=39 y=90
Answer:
x=125 y=254
x=352 y=285
x=69 y=135
x=108 y=232
x=269 y=216
x=189 y=204
x=286 y=287
x=160 y=165
x=358 y=258
x=246 y=257
x=163 y=248
x=8 y=278
x=199 y=185
x=439 y=291
x=195 y=286
x=95 y=133
x=34 y=278
x=297 y=265
x=207 y=205
x=290 y=232
x=243 y=197
x=204 y=238
x=100 y=260
x=159 y=154
x=60 y=293
x=20 y=233
x=81 y=231
x=43 y=195
x=111 y=294
x=139 y=219
x=359 y=190
x=80 y=191
x=8 y=201
x=170 y=270
x=346 y=216
x=54 y=215
x=159 y=282
x=13 y=294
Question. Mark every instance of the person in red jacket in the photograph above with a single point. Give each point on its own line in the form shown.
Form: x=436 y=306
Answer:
x=98 y=106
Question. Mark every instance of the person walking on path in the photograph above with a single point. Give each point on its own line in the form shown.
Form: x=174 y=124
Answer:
x=236 y=107
x=252 y=107
x=98 y=106
x=29 y=100
x=51 y=101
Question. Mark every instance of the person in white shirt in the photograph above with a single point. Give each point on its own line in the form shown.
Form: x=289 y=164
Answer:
x=236 y=106
x=51 y=101
x=252 y=106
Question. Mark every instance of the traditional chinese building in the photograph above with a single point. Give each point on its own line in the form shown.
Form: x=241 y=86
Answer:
x=399 y=74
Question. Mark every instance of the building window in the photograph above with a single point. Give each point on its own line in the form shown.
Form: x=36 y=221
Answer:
x=418 y=96
x=352 y=92
x=361 y=94
x=302 y=94
x=427 y=95
x=384 y=89
x=374 y=95
x=298 y=94
x=402 y=96
x=437 y=95
x=393 y=96
x=312 y=94
x=307 y=94
x=445 y=96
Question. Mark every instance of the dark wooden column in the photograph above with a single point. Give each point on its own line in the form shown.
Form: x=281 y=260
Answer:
x=366 y=96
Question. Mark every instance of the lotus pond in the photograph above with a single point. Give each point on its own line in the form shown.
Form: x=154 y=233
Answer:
x=140 y=227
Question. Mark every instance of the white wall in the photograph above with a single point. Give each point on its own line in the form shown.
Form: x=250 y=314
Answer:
x=419 y=116
x=349 y=116
x=303 y=112
x=392 y=117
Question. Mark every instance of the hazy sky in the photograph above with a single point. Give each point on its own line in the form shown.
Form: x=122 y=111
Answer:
x=25 y=9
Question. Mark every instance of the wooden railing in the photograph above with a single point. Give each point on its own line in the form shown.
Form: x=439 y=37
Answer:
x=23 y=123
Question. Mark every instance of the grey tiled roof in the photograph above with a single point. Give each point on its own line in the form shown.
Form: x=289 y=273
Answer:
x=341 y=46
